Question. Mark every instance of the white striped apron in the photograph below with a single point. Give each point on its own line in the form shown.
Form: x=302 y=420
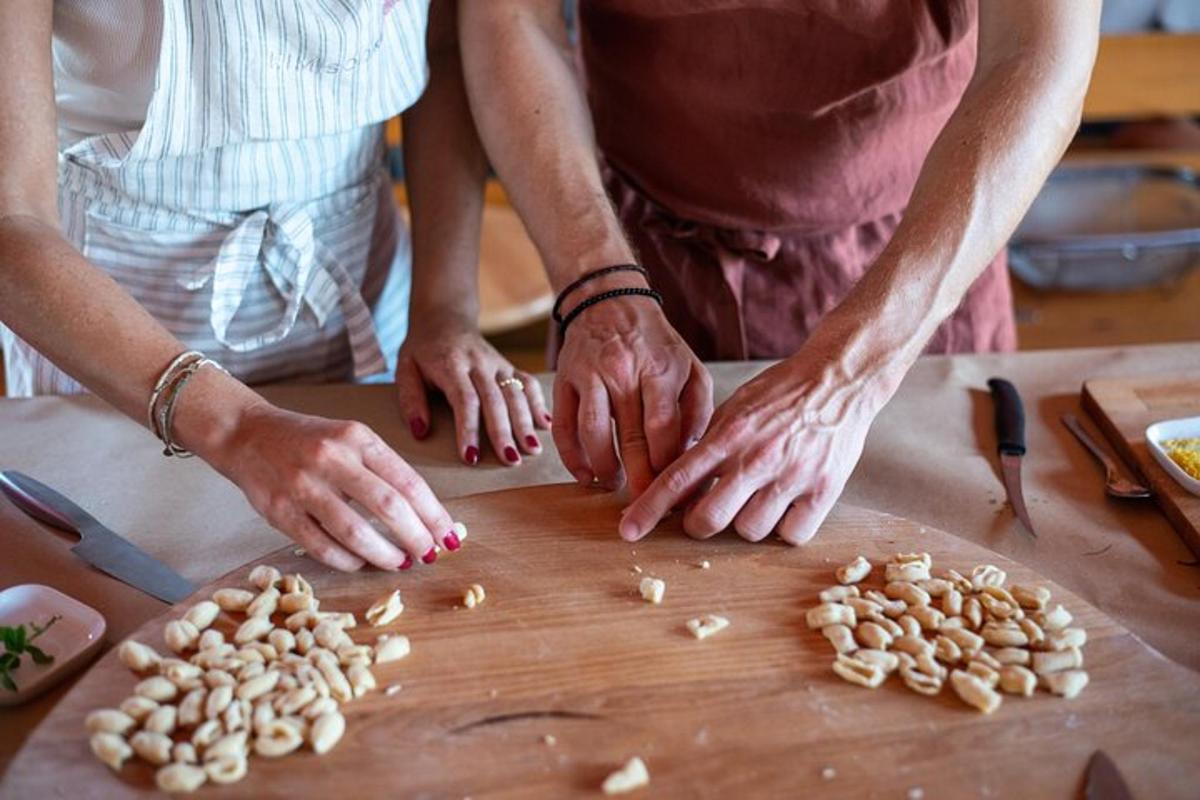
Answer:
x=251 y=214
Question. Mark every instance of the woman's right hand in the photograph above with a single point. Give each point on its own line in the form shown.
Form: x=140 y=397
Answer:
x=301 y=473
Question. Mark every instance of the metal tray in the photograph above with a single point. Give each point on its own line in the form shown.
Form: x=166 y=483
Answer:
x=1109 y=228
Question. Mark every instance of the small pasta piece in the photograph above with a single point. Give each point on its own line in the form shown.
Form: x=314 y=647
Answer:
x=339 y=686
x=952 y=602
x=910 y=593
x=217 y=701
x=474 y=594
x=633 y=775
x=304 y=641
x=258 y=686
x=891 y=626
x=252 y=629
x=191 y=708
x=154 y=748
x=995 y=608
x=180 y=635
x=391 y=648
x=1001 y=636
x=210 y=639
x=973 y=613
x=707 y=625
x=219 y=677
x=936 y=587
x=838 y=594
x=1011 y=655
x=161 y=720
x=909 y=625
x=184 y=753
x=651 y=590
x=264 y=577
x=301 y=620
x=265 y=604
x=157 y=688
x=203 y=614
x=322 y=705
x=109 y=720
x=962 y=584
x=952 y=623
x=111 y=749
x=1057 y=661
x=830 y=614
x=861 y=673
x=974 y=692
x=919 y=681
x=985 y=673
x=1016 y=679
x=184 y=675
x=855 y=571
x=138 y=707
x=329 y=635
x=385 y=610
x=913 y=645
x=226 y=770
x=1067 y=684
x=231 y=600
x=137 y=656
x=277 y=738
x=1066 y=638
x=326 y=732
x=282 y=640
x=362 y=680
x=840 y=637
x=231 y=744
x=180 y=778
x=1033 y=598
x=864 y=608
x=929 y=617
x=206 y=733
x=911 y=572
x=969 y=641
x=888 y=662
x=1037 y=637
x=985 y=658
x=946 y=650
x=873 y=636
x=1056 y=619
x=987 y=575
x=296 y=583
x=294 y=701
x=292 y=602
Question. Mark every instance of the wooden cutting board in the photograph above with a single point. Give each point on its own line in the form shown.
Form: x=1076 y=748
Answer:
x=1124 y=408
x=564 y=646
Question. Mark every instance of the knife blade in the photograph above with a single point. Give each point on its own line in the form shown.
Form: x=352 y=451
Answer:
x=1010 y=433
x=1104 y=781
x=99 y=546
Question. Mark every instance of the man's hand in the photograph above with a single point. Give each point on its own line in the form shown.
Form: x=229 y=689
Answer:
x=776 y=457
x=622 y=361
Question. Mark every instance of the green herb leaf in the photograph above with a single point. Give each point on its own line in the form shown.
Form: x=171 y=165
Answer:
x=16 y=642
x=38 y=655
x=7 y=682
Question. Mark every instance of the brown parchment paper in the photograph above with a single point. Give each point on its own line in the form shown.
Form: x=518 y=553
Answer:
x=930 y=457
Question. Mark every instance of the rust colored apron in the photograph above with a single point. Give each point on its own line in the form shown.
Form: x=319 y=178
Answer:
x=760 y=154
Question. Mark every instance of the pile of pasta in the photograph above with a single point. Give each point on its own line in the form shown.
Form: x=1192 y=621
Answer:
x=268 y=690
x=971 y=632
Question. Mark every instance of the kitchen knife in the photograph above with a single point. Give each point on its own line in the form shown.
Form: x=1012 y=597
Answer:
x=100 y=547
x=1104 y=782
x=1010 y=433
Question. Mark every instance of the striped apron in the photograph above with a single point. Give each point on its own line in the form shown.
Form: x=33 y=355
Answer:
x=251 y=214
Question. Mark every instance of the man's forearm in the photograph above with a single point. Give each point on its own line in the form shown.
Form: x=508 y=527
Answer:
x=1012 y=126
x=445 y=171
x=535 y=124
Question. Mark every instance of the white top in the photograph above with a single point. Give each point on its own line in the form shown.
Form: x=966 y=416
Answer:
x=105 y=57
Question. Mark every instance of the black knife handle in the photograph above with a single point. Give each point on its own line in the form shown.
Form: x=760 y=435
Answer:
x=14 y=486
x=1010 y=417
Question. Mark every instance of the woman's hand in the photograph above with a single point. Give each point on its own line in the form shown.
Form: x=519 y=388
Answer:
x=453 y=357
x=303 y=472
x=776 y=457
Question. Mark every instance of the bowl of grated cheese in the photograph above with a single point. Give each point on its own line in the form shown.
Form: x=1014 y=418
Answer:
x=1175 y=444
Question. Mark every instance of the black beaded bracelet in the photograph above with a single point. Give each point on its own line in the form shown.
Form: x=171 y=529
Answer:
x=556 y=314
x=601 y=297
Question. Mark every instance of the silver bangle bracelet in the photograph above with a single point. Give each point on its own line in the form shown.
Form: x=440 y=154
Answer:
x=165 y=378
x=163 y=402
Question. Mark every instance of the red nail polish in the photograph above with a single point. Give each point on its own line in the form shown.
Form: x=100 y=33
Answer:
x=510 y=454
x=408 y=562
x=471 y=456
x=532 y=441
x=451 y=541
x=419 y=427
x=429 y=557
x=549 y=420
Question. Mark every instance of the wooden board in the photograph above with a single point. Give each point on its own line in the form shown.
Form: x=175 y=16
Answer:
x=1124 y=408
x=564 y=646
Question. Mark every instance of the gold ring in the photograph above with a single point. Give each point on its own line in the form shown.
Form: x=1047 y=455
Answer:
x=510 y=381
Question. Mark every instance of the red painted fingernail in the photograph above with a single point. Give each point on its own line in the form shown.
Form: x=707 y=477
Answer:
x=451 y=541
x=408 y=562
x=549 y=420
x=419 y=428
x=471 y=456
x=510 y=453
x=532 y=441
x=429 y=557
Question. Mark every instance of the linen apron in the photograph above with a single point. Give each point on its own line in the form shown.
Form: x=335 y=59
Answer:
x=760 y=154
x=251 y=213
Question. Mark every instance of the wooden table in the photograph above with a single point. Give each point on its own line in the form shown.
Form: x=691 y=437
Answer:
x=929 y=458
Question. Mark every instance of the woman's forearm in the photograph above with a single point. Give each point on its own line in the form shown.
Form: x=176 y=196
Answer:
x=445 y=170
x=1015 y=119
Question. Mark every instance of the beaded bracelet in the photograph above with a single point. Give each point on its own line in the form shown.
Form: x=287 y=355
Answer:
x=633 y=291
x=556 y=313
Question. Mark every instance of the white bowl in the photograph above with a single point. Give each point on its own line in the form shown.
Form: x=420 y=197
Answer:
x=73 y=640
x=1187 y=428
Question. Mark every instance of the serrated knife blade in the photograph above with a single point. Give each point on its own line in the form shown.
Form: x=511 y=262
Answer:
x=99 y=546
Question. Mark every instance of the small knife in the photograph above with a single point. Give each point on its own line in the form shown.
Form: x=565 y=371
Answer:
x=1104 y=781
x=1010 y=432
x=100 y=547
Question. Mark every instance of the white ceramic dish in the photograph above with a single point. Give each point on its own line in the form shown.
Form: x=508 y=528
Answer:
x=1187 y=428
x=73 y=640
